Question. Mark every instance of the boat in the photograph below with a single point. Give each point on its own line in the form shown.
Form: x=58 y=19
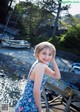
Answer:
x=75 y=68
x=65 y=89
x=16 y=43
x=5 y=36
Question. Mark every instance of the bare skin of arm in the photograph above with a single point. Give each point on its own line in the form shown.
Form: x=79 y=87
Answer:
x=39 y=72
x=56 y=73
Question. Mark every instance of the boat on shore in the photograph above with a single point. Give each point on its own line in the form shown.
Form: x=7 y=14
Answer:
x=16 y=43
x=65 y=90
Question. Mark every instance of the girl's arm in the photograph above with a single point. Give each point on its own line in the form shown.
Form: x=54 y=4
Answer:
x=56 y=73
x=39 y=72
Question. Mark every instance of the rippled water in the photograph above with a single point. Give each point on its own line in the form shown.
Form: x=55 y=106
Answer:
x=10 y=90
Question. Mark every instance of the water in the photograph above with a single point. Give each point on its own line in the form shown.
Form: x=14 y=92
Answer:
x=11 y=90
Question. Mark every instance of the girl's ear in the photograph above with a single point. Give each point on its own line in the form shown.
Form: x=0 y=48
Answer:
x=36 y=55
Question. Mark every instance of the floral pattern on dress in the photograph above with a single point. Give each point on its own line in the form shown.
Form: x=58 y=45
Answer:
x=27 y=102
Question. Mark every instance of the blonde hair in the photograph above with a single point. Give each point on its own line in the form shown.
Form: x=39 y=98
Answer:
x=42 y=45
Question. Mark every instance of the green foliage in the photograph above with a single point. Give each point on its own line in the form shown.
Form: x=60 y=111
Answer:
x=72 y=38
x=32 y=17
x=55 y=40
x=39 y=39
x=69 y=42
x=70 y=20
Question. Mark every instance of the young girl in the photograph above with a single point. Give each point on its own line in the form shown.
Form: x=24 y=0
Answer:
x=31 y=99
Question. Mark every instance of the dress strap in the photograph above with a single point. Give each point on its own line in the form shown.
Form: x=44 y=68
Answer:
x=32 y=68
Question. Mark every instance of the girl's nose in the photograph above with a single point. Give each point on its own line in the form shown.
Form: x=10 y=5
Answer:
x=47 y=57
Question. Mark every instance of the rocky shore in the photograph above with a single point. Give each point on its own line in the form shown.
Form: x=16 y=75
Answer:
x=18 y=61
x=13 y=67
x=11 y=80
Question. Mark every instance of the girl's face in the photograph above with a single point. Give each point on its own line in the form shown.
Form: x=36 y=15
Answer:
x=45 y=56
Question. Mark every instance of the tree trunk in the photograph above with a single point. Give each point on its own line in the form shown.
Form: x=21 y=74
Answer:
x=4 y=8
x=56 y=21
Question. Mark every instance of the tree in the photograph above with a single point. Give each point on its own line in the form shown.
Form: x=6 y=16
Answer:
x=71 y=20
x=54 y=6
x=57 y=17
x=33 y=17
x=72 y=37
x=5 y=6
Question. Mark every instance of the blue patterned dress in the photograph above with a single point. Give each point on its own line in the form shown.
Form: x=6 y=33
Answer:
x=27 y=102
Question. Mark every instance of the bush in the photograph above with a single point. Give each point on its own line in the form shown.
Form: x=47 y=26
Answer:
x=72 y=37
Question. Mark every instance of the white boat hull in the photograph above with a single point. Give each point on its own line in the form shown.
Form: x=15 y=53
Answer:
x=16 y=44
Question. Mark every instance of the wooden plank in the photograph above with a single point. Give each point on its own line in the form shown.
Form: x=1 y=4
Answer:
x=61 y=88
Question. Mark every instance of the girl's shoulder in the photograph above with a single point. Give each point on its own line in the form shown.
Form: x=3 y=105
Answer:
x=40 y=65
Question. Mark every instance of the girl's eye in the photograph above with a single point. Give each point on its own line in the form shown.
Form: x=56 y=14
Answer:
x=44 y=53
x=50 y=54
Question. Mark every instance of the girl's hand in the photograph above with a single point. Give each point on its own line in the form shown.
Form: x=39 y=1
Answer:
x=54 y=53
x=53 y=58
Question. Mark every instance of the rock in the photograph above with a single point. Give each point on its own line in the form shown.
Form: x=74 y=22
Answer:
x=13 y=67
